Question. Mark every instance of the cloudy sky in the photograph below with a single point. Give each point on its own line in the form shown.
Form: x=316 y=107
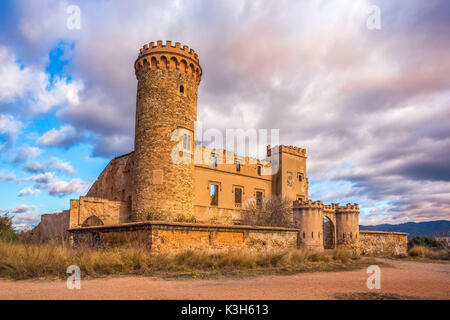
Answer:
x=371 y=106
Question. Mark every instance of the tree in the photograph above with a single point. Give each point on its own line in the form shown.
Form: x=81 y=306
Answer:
x=271 y=211
x=7 y=231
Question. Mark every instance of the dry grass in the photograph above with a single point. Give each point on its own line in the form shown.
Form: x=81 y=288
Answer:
x=26 y=261
x=428 y=253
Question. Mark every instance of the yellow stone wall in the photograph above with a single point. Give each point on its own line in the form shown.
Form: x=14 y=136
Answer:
x=160 y=236
x=109 y=212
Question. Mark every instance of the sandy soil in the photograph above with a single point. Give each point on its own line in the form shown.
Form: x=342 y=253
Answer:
x=406 y=278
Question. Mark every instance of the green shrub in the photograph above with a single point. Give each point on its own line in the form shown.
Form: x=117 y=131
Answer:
x=424 y=241
x=7 y=232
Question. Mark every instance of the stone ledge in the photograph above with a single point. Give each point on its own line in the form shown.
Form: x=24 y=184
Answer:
x=382 y=232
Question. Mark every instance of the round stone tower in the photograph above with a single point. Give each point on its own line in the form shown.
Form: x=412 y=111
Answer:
x=347 y=225
x=166 y=110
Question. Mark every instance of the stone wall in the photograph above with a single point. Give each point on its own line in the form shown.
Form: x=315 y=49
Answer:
x=166 y=111
x=115 y=182
x=157 y=235
x=53 y=226
x=380 y=243
x=108 y=212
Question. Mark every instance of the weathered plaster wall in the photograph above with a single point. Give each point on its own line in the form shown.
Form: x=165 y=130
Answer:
x=380 y=243
x=159 y=236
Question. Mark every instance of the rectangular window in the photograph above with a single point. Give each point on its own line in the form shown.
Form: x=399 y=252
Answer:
x=259 y=170
x=237 y=197
x=300 y=176
x=187 y=142
x=214 y=161
x=259 y=199
x=214 y=194
x=238 y=166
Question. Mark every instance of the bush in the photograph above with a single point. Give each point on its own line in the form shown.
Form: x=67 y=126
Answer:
x=425 y=252
x=7 y=232
x=272 y=212
x=424 y=241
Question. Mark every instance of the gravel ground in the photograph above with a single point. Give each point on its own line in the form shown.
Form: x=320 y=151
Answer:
x=402 y=280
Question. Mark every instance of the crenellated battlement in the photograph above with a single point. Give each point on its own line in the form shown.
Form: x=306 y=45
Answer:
x=168 y=57
x=296 y=151
x=334 y=207
x=349 y=208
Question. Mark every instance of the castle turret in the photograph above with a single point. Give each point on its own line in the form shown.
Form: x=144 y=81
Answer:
x=347 y=225
x=166 y=110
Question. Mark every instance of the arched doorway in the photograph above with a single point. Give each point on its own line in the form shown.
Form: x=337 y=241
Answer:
x=328 y=233
x=92 y=221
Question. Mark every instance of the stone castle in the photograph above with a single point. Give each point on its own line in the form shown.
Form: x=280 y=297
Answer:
x=160 y=180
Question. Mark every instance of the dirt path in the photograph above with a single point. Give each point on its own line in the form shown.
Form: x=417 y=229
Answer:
x=406 y=278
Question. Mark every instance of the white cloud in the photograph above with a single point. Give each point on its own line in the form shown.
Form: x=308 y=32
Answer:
x=14 y=80
x=57 y=164
x=33 y=85
x=26 y=152
x=65 y=136
x=28 y=191
x=33 y=166
x=26 y=221
x=23 y=208
x=9 y=128
x=58 y=187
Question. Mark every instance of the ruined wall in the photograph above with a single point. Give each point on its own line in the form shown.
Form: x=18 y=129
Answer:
x=115 y=182
x=53 y=226
x=159 y=236
x=109 y=212
x=380 y=243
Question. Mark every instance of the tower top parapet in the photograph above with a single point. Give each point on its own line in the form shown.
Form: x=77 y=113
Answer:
x=166 y=56
x=296 y=151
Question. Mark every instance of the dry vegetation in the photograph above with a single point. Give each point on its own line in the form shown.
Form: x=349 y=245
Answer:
x=26 y=261
x=423 y=252
x=272 y=211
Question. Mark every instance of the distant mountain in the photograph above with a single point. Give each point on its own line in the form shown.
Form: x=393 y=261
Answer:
x=429 y=228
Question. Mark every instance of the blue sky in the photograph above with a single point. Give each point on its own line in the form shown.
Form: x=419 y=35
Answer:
x=370 y=106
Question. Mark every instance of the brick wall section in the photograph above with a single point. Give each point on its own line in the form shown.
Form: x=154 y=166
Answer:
x=380 y=243
x=159 y=236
